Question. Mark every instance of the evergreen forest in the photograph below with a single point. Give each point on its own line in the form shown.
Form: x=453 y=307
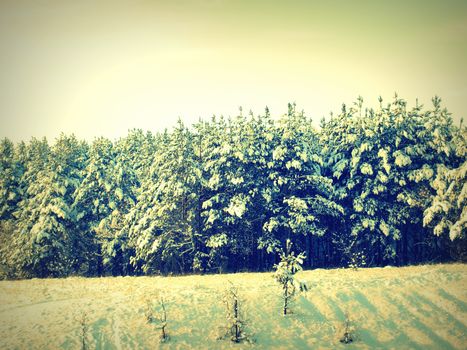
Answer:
x=368 y=187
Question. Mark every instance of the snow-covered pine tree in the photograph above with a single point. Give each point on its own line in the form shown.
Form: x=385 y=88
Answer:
x=298 y=195
x=47 y=241
x=139 y=149
x=448 y=209
x=163 y=226
x=11 y=171
x=11 y=192
x=106 y=195
x=234 y=172
x=285 y=272
x=382 y=162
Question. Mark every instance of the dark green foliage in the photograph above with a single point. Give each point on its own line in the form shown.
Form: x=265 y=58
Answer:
x=370 y=187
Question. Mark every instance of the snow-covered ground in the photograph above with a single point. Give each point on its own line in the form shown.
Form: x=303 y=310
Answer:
x=419 y=307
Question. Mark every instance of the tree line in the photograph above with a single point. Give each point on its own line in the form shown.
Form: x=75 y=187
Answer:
x=368 y=187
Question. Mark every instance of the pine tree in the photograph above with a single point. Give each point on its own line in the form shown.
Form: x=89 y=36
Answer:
x=382 y=163
x=285 y=272
x=298 y=195
x=105 y=196
x=163 y=226
x=10 y=177
x=448 y=212
x=47 y=237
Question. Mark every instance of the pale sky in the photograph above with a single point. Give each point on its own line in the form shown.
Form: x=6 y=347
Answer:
x=99 y=68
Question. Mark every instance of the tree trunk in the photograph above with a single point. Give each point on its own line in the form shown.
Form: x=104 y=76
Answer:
x=308 y=251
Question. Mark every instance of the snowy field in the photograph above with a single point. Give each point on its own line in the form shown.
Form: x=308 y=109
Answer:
x=423 y=307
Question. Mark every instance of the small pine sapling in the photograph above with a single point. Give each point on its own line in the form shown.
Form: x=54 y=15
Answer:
x=236 y=322
x=348 y=336
x=160 y=321
x=149 y=312
x=285 y=274
x=83 y=321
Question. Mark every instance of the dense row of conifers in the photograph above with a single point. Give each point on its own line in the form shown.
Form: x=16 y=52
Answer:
x=369 y=187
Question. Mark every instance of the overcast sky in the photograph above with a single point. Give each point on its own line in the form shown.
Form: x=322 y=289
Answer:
x=99 y=68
